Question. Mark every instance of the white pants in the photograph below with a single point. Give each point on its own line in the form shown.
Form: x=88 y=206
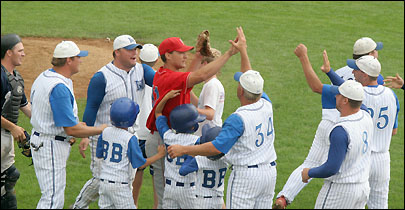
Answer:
x=115 y=196
x=342 y=196
x=251 y=188
x=50 y=169
x=210 y=203
x=179 y=197
x=379 y=180
x=7 y=150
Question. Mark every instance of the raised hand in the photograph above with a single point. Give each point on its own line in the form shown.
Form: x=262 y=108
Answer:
x=326 y=65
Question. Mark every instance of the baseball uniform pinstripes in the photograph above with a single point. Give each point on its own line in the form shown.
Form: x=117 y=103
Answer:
x=256 y=145
x=342 y=196
x=345 y=73
x=251 y=188
x=115 y=196
x=316 y=157
x=355 y=167
x=42 y=118
x=381 y=102
x=177 y=196
x=210 y=183
x=50 y=169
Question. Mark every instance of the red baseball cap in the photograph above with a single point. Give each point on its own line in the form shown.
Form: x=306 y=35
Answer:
x=173 y=44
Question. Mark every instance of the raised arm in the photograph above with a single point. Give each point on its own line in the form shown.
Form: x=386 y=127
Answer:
x=162 y=103
x=240 y=44
x=312 y=79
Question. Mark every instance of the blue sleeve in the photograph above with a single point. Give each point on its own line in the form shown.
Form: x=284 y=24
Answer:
x=232 y=129
x=100 y=146
x=161 y=125
x=62 y=101
x=329 y=93
x=337 y=152
x=134 y=152
x=148 y=74
x=380 y=79
x=266 y=97
x=95 y=95
x=396 y=115
x=334 y=78
x=189 y=165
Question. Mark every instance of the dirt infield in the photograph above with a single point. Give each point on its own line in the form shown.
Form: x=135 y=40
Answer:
x=38 y=56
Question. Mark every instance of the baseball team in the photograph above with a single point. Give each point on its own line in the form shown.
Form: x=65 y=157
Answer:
x=136 y=116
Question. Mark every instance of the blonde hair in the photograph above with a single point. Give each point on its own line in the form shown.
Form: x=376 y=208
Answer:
x=216 y=54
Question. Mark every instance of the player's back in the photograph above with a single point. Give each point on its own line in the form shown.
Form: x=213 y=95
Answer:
x=210 y=176
x=383 y=105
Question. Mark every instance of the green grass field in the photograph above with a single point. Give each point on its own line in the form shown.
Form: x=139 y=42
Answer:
x=272 y=29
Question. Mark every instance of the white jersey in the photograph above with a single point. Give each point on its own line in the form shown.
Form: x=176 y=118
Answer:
x=382 y=104
x=116 y=166
x=355 y=167
x=42 y=118
x=141 y=131
x=210 y=177
x=119 y=84
x=172 y=166
x=256 y=145
x=213 y=96
x=345 y=73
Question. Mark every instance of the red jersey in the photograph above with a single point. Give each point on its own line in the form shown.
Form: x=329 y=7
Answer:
x=164 y=81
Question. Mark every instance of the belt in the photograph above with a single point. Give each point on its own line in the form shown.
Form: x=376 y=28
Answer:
x=113 y=181
x=59 y=138
x=257 y=166
x=207 y=196
x=178 y=184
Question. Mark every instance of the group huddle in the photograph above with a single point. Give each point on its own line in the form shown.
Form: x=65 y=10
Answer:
x=137 y=116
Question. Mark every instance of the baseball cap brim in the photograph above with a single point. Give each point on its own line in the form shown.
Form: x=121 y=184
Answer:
x=83 y=53
x=237 y=75
x=132 y=46
x=352 y=64
x=379 y=46
x=184 y=48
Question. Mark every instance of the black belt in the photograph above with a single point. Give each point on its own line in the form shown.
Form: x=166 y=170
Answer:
x=59 y=138
x=179 y=184
x=207 y=196
x=256 y=166
x=113 y=181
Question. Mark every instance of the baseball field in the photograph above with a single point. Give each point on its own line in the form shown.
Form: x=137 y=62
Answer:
x=272 y=29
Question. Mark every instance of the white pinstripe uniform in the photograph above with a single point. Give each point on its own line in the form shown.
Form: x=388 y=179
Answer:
x=179 y=190
x=50 y=160
x=212 y=95
x=381 y=101
x=252 y=180
x=116 y=173
x=210 y=182
x=119 y=84
x=316 y=155
x=346 y=73
x=349 y=187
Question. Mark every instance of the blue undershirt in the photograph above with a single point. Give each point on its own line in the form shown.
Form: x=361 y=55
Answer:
x=96 y=93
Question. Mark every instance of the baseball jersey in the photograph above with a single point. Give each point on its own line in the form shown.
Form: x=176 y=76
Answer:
x=383 y=105
x=355 y=167
x=172 y=165
x=110 y=83
x=164 y=81
x=213 y=96
x=121 y=154
x=52 y=91
x=247 y=136
x=210 y=176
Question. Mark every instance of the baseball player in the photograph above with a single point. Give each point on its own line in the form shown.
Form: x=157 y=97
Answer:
x=121 y=156
x=363 y=46
x=247 y=140
x=210 y=173
x=212 y=97
x=320 y=144
x=54 y=122
x=123 y=77
x=383 y=106
x=179 y=191
x=148 y=55
x=173 y=54
x=347 y=168
x=12 y=99
x=395 y=82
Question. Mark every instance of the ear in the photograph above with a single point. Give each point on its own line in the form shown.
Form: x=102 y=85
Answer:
x=9 y=52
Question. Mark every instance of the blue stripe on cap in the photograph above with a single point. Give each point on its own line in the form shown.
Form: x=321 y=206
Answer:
x=132 y=46
x=237 y=75
x=379 y=46
x=352 y=64
x=83 y=53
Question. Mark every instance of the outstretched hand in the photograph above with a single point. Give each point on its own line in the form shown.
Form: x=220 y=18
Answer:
x=239 y=43
x=300 y=50
x=326 y=64
x=394 y=82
